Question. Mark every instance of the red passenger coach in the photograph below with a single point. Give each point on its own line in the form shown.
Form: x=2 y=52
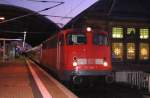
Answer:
x=75 y=54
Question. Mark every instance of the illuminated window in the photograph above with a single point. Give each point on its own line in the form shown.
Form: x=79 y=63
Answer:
x=130 y=51
x=144 y=51
x=117 y=50
x=117 y=32
x=130 y=31
x=144 y=34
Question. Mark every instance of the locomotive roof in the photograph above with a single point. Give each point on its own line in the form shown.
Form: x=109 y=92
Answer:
x=80 y=30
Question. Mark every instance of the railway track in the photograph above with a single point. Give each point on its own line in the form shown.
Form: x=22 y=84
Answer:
x=108 y=91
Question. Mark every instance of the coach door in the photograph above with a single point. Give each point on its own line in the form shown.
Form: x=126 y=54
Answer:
x=60 y=57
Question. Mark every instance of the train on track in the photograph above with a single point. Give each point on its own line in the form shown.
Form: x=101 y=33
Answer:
x=76 y=54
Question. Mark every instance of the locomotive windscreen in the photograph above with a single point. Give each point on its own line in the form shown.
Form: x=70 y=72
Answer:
x=76 y=39
x=100 y=39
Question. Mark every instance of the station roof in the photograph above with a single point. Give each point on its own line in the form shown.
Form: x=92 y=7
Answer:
x=133 y=10
x=38 y=28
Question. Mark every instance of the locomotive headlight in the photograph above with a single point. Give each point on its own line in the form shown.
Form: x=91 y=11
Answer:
x=89 y=29
x=105 y=64
x=75 y=63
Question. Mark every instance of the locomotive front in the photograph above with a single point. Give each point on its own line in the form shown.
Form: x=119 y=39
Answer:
x=87 y=54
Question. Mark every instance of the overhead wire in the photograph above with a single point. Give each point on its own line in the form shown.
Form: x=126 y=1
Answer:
x=79 y=4
x=57 y=16
x=33 y=13
x=8 y=31
x=111 y=7
x=44 y=1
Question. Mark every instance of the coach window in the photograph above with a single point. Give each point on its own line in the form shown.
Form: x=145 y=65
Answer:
x=144 y=33
x=117 y=32
x=144 y=51
x=117 y=51
x=130 y=51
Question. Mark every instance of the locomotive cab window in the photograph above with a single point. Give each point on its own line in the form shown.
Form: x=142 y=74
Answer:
x=99 y=39
x=76 y=39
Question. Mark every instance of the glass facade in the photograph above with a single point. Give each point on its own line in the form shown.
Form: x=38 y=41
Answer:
x=117 y=32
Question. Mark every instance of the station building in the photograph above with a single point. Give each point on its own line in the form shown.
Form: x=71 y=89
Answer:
x=128 y=24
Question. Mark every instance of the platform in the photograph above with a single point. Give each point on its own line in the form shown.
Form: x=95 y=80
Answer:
x=21 y=78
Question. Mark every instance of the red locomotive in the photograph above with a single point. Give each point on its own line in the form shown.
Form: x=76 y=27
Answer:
x=74 y=54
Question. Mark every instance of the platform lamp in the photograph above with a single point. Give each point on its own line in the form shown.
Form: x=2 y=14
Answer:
x=24 y=39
